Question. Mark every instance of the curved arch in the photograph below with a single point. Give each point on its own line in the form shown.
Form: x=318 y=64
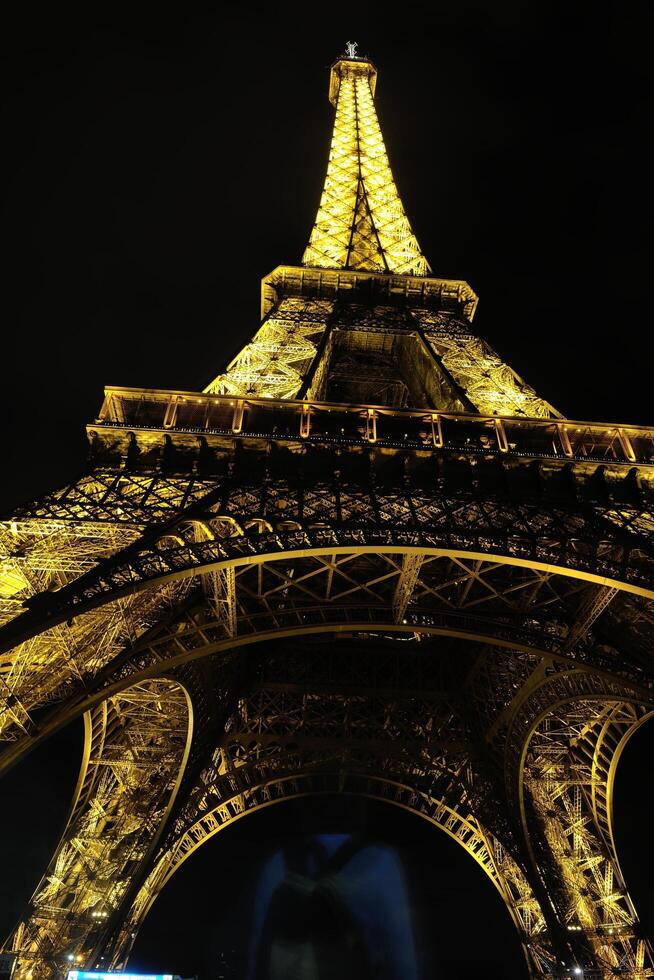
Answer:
x=152 y=656
x=138 y=566
x=615 y=761
x=147 y=658
x=571 y=790
x=466 y=831
x=136 y=747
x=402 y=593
x=616 y=699
x=191 y=560
x=587 y=691
x=604 y=775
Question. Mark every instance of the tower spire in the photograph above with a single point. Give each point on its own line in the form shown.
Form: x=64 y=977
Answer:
x=361 y=223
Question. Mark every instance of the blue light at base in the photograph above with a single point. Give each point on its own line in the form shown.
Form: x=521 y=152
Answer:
x=84 y=975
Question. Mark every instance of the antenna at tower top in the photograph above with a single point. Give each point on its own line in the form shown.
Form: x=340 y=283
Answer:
x=351 y=49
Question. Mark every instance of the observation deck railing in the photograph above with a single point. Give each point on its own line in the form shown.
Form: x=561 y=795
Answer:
x=413 y=429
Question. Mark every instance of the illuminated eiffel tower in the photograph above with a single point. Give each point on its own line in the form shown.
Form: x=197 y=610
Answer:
x=367 y=559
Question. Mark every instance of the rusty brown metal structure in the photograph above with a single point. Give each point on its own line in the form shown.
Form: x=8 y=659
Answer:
x=367 y=559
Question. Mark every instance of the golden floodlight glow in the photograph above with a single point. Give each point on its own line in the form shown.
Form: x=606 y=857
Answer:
x=12 y=581
x=361 y=223
x=450 y=584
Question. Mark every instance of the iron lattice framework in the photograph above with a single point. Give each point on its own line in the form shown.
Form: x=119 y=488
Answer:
x=470 y=575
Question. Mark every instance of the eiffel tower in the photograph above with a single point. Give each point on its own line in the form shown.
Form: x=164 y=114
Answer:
x=367 y=559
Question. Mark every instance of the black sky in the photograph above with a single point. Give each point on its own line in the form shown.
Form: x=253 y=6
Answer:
x=157 y=165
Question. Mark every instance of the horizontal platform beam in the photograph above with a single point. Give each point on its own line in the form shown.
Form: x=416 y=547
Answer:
x=430 y=292
x=218 y=417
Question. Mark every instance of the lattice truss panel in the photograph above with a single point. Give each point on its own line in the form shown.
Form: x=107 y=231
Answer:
x=50 y=545
x=361 y=363
x=490 y=384
x=432 y=590
x=389 y=737
x=361 y=223
x=118 y=496
x=278 y=517
x=425 y=592
x=489 y=601
x=275 y=363
x=484 y=601
x=136 y=744
x=39 y=556
x=568 y=780
x=508 y=692
x=252 y=590
x=61 y=662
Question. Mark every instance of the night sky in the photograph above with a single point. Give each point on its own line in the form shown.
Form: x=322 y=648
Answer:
x=157 y=165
